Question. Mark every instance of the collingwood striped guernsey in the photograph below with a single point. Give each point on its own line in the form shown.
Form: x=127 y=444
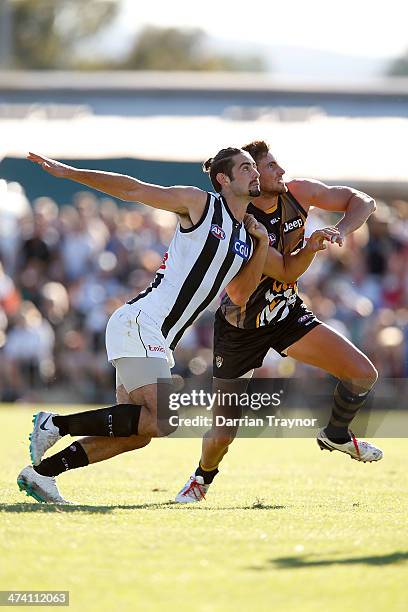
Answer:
x=198 y=265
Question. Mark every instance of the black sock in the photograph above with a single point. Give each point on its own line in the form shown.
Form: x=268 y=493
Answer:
x=72 y=457
x=121 y=421
x=346 y=405
x=208 y=475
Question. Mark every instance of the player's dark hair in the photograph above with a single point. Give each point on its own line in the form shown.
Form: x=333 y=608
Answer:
x=257 y=149
x=222 y=162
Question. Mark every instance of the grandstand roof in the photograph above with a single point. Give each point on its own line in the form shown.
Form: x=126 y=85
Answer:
x=188 y=81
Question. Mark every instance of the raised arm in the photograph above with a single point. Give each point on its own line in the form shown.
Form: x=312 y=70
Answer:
x=356 y=205
x=181 y=200
x=288 y=268
x=267 y=261
x=284 y=268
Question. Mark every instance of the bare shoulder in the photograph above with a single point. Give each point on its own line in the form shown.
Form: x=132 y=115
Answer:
x=190 y=196
x=304 y=190
x=191 y=204
x=304 y=186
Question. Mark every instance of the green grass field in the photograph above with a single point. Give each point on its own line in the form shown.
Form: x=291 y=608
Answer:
x=285 y=527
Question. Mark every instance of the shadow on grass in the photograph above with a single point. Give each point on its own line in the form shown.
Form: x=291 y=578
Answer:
x=303 y=561
x=202 y=507
x=43 y=508
x=88 y=509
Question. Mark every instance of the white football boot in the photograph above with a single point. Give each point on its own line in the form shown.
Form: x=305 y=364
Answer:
x=42 y=488
x=44 y=435
x=193 y=491
x=357 y=449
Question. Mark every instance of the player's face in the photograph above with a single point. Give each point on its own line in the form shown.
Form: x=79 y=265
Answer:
x=271 y=175
x=245 y=176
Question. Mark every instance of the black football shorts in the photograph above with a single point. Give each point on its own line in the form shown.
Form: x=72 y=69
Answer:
x=237 y=351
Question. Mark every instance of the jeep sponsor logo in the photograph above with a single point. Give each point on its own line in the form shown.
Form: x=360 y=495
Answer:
x=292 y=225
x=218 y=232
x=241 y=248
x=155 y=349
x=272 y=239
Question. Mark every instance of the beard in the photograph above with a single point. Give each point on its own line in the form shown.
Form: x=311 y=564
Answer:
x=282 y=188
x=254 y=192
x=276 y=190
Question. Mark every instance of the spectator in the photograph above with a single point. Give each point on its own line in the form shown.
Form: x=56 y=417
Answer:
x=74 y=265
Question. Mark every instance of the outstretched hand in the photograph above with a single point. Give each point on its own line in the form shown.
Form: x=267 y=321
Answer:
x=319 y=238
x=49 y=165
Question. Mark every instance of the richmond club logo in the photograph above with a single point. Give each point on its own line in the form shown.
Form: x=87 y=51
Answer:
x=218 y=232
x=218 y=361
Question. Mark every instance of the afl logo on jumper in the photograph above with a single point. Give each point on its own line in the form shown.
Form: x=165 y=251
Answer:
x=272 y=239
x=292 y=225
x=218 y=232
x=241 y=248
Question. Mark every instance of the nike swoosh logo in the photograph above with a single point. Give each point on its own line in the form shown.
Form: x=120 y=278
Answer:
x=44 y=422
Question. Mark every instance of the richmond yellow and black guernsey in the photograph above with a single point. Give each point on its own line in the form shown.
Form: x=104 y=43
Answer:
x=272 y=300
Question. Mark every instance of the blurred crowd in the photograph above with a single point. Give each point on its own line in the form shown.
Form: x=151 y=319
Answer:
x=64 y=270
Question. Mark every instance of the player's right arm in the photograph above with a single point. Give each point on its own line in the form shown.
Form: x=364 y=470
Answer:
x=267 y=261
x=288 y=268
x=181 y=200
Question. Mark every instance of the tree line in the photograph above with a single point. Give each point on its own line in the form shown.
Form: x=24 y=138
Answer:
x=47 y=35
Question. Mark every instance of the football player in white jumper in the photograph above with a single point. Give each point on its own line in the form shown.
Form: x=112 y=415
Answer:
x=214 y=241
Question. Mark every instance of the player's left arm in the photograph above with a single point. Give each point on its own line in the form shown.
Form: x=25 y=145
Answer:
x=246 y=281
x=355 y=205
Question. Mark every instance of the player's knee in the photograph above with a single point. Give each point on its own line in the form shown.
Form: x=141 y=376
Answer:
x=168 y=425
x=135 y=442
x=221 y=437
x=224 y=440
x=220 y=444
x=161 y=427
x=366 y=373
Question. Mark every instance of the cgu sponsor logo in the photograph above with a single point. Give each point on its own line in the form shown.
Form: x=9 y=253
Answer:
x=241 y=248
x=155 y=349
x=292 y=225
x=218 y=232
